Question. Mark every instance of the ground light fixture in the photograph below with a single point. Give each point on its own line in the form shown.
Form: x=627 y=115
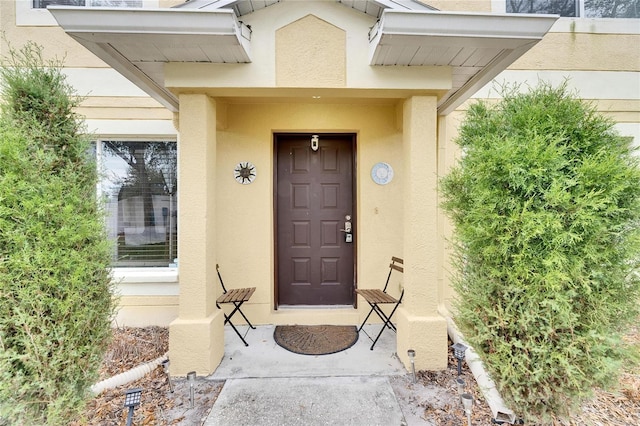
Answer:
x=467 y=404
x=191 y=377
x=460 y=385
x=131 y=400
x=458 y=353
x=412 y=356
x=165 y=367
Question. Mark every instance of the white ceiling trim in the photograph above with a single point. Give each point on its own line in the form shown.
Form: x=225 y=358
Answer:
x=138 y=42
x=135 y=42
x=478 y=46
x=242 y=7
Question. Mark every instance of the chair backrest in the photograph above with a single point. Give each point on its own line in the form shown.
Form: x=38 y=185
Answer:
x=224 y=289
x=393 y=266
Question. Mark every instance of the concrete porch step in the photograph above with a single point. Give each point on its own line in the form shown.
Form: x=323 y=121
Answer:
x=309 y=401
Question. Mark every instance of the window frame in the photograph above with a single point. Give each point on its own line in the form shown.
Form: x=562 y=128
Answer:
x=99 y=156
x=87 y=3
x=500 y=6
x=29 y=16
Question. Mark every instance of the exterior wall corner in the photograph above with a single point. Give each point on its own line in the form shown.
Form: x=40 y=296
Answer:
x=427 y=336
x=196 y=345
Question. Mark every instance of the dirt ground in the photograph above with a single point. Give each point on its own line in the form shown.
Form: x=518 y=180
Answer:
x=159 y=406
x=432 y=400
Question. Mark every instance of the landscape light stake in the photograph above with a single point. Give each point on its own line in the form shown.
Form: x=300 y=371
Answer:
x=460 y=384
x=165 y=367
x=412 y=355
x=131 y=400
x=458 y=353
x=467 y=403
x=191 y=376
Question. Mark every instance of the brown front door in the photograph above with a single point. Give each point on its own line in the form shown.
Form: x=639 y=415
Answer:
x=314 y=201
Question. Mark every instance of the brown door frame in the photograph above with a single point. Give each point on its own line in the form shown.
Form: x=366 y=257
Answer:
x=354 y=155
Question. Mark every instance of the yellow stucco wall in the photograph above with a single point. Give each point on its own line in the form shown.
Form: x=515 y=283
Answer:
x=583 y=51
x=196 y=337
x=86 y=68
x=311 y=52
x=142 y=311
x=245 y=212
x=53 y=39
x=460 y=5
x=254 y=101
x=421 y=326
x=448 y=155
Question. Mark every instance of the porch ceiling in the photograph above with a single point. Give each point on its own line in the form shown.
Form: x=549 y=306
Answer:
x=138 y=42
x=477 y=46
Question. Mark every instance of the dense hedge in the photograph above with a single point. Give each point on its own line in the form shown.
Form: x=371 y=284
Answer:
x=55 y=285
x=546 y=207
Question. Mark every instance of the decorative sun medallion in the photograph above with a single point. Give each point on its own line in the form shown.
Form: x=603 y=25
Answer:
x=382 y=173
x=245 y=173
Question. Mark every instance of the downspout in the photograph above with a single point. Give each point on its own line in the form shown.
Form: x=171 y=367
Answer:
x=487 y=386
x=128 y=376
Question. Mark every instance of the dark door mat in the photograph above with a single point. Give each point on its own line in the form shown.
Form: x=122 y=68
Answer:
x=315 y=339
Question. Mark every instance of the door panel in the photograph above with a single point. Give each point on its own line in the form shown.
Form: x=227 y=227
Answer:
x=315 y=194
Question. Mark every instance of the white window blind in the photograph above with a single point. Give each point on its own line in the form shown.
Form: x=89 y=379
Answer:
x=42 y=4
x=139 y=185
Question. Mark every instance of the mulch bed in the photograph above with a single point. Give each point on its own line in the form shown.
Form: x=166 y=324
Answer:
x=617 y=407
x=159 y=406
x=131 y=347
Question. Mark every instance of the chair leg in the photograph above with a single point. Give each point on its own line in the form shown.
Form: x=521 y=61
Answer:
x=387 y=323
x=365 y=320
x=383 y=317
x=237 y=309
x=227 y=320
x=243 y=316
x=233 y=312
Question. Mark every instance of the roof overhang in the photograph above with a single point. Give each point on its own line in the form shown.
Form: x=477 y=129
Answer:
x=138 y=42
x=370 y=7
x=478 y=46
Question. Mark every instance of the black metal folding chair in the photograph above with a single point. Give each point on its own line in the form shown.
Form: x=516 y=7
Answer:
x=236 y=297
x=377 y=297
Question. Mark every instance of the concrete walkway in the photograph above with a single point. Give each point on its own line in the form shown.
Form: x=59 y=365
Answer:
x=268 y=385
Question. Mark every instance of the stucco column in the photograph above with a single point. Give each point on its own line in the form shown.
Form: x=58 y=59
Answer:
x=420 y=326
x=196 y=337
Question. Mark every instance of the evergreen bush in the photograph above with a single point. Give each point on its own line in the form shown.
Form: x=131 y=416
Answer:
x=55 y=285
x=546 y=206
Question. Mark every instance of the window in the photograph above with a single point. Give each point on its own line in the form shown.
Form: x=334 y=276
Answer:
x=578 y=8
x=139 y=185
x=42 y=4
x=612 y=9
x=35 y=13
x=560 y=7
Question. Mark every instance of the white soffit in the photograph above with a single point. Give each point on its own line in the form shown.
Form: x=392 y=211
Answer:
x=477 y=46
x=138 y=42
x=242 y=7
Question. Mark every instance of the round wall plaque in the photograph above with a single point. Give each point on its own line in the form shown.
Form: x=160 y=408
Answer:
x=382 y=173
x=245 y=173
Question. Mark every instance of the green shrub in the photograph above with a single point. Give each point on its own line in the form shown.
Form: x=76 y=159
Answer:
x=55 y=286
x=546 y=207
